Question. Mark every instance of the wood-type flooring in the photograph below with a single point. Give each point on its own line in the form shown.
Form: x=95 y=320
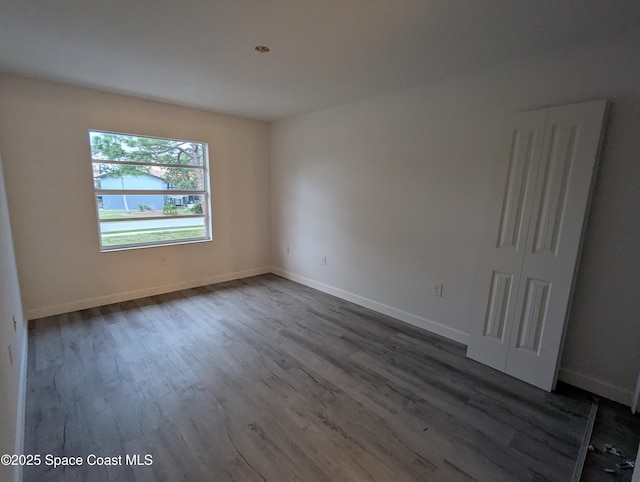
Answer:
x=263 y=379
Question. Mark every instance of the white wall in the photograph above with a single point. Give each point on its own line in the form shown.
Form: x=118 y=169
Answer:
x=43 y=132
x=12 y=376
x=394 y=191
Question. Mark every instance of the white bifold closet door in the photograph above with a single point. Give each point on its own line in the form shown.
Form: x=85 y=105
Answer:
x=533 y=240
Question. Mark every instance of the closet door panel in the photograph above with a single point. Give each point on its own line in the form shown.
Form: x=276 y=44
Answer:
x=506 y=237
x=560 y=202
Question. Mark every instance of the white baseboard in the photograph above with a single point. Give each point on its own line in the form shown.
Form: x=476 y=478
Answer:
x=598 y=387
x=22 y=401
x=399 y=314
x=132 y=295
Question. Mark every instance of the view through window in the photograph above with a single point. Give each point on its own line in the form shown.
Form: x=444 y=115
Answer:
x=149 y=191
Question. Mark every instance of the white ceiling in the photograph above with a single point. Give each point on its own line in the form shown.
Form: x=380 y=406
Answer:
x=325 y=52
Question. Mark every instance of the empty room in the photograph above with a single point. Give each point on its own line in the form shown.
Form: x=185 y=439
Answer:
x=319 y=241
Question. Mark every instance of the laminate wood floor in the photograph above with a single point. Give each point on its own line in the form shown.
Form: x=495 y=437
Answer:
x=264 y=379
x=615 y=425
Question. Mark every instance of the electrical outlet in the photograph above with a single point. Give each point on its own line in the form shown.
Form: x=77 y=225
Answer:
x=287 y=250
x=324 y=261
x=437 y=289
x=10 y=355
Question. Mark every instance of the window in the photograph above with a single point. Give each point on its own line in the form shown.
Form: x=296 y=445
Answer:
x=149 y=191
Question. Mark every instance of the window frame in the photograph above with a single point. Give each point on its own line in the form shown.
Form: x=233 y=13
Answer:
x=204 y=195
